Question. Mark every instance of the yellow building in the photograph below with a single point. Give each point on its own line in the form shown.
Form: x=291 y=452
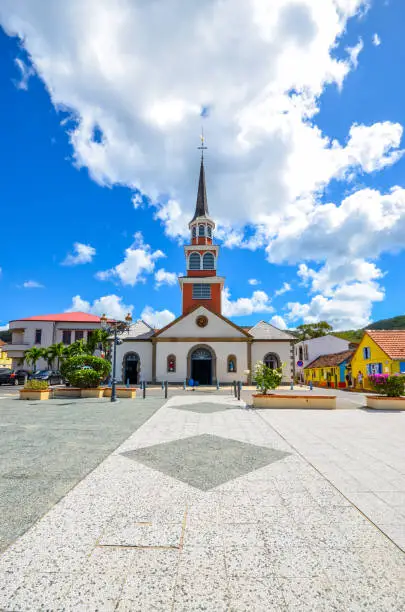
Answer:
x=5 y=362
x=330 y=370
x=379 y=352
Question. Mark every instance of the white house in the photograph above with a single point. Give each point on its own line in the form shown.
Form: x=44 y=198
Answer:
x=308 y=350
x=43 y=330
x=202 y=344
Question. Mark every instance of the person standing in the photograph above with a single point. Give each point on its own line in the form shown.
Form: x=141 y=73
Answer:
x=360 y=380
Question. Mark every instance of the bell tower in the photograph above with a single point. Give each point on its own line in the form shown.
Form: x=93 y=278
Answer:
x=201 y=286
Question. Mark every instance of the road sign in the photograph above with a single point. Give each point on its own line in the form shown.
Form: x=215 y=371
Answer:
x=300 y=363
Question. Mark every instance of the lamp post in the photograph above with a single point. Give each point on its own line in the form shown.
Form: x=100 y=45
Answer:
x=115 y=328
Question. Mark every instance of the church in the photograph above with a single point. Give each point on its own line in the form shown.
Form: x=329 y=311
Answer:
x=202 y=344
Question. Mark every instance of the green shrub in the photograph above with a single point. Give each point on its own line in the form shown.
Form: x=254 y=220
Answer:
x=85 y=371
x=37 y=385
x=267 y=378
x=85 y=379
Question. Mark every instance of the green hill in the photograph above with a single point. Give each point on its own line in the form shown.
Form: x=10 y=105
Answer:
x=355 y=335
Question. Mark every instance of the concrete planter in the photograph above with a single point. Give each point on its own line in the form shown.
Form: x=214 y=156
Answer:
x=67 y=392
x=317 y=402
x=123 y=392
x=97 y=393
x=382 y=402
x=35 y=394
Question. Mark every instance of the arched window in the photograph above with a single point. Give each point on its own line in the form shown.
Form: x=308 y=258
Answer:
x=194 y=234
x=208 y=262
x=201 y=230
x=209 y=231
x=231 y=363
x=171 y=363
x=300 y=353
x=272 y=360
x=194 y=263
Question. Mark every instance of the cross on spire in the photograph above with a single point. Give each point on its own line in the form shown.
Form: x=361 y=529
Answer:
x=202 y=147
x=201 y=207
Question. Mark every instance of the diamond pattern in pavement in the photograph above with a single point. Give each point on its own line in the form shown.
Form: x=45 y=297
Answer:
x=204 y=407
x=205 y=461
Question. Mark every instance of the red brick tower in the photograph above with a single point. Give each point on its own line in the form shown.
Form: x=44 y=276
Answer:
x=201 y=286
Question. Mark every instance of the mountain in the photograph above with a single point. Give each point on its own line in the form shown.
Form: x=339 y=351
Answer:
x=355 y=335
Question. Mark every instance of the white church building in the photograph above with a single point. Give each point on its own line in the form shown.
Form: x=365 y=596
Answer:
x=202 y=344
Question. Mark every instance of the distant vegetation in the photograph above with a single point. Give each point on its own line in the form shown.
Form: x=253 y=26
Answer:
x=355 y=335
x=5 y=335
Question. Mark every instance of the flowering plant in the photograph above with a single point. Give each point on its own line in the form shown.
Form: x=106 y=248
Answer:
x=267 y=378
x=387 y=384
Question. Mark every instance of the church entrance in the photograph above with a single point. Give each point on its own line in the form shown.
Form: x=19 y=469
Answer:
x=131 y=368
x=201 y=366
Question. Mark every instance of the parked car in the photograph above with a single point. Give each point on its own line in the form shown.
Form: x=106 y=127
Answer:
x=13 y=377
x=53 y=377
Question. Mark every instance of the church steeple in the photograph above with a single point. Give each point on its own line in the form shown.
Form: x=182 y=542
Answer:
x=201 y=286
x=201 y=207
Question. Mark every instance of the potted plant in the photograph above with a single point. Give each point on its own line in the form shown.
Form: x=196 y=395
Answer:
x=390 y=392
x=85 y=372
x=269 y=379
x=35 y=390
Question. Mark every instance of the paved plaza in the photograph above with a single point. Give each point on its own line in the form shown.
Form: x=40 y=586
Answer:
x=210 y=505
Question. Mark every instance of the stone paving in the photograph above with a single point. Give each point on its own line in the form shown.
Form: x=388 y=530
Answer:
x=48 y=447
x=275 y=534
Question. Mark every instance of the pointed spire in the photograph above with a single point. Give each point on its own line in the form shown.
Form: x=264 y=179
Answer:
x=201 y=207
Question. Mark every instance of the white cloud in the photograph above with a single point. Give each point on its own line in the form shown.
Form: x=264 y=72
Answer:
x=286 y=287
x=31 y=284
x=142 y=74
x=278 y=321
x=26 y=72
x=354 y=53
x=111 y=305
x=145 y=92
x=4 y=327
x=376 y=40
x=82 y=254
x=162 y=277
x=344 y=292
x=137 y=200
x=254 y=281
x=157 y=318
x=139 y=260
x=258 y=302
x=174 y=220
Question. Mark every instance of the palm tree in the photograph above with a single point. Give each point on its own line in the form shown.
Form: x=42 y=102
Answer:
x=47 y=354
x=56 y=351
x=72 y=350
x=98 y=337
x=32 y=355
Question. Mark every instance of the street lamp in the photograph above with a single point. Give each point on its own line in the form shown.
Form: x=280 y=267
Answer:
x=115 y=328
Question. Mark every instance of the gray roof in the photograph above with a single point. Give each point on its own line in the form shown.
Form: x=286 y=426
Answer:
x=201 y=207
x=138 y=331
x=265 y=331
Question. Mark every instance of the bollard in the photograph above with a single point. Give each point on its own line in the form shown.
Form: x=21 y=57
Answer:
x=144 y=390
x=234 y=388
x=166 y=389
x=184 y=386
x=239 y=388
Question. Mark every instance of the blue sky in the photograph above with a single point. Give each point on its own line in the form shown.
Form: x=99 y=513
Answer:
x=58 y=189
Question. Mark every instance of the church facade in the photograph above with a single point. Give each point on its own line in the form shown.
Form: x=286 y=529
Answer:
x=202 y=344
